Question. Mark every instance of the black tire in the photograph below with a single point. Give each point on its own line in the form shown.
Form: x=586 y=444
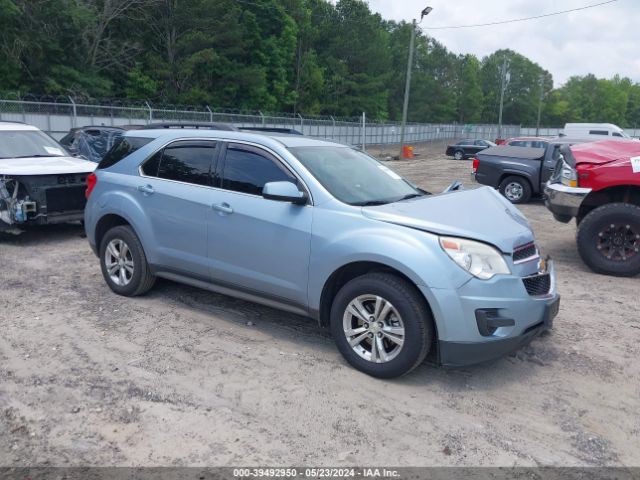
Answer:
x=414 y=314
x=141 y=280
x=597 y=240
x=515 y=189
x=458 y=155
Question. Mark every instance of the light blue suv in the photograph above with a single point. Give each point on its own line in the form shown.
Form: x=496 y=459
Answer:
x=322 y=230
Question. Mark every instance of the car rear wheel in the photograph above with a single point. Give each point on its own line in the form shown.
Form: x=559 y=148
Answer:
x=515 y=189
x=381 y=325
x=609 y=239
x=458 y=155
x=123 y=262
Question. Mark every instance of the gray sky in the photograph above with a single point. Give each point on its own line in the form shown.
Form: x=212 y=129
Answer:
x=602 y=40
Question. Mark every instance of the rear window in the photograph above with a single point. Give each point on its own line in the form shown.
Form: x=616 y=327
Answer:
x=123 y=147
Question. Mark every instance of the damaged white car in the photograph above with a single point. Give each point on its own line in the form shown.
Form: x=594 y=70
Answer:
x=39 y=182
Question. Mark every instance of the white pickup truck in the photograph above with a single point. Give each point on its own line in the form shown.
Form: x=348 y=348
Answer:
x=39 y=182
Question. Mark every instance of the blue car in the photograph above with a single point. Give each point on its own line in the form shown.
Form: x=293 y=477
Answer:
x=322 y=230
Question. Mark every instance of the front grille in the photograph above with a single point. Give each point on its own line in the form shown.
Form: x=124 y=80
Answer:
x=537 y=284
x=63 y=199
x=525 y=252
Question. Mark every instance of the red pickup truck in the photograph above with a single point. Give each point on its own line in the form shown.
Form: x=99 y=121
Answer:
x=599 y=184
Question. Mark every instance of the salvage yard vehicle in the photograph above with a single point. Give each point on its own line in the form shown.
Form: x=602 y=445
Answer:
x=534 y=142
x=467 y=148
x=93 y=142
x=518 y=172
x=322 y=230
x=39 y=182
x=594 y=131
x=598 y=184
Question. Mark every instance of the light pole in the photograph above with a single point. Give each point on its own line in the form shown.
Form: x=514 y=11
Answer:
x=503 y=86
x=540 y=104
x=407 y=87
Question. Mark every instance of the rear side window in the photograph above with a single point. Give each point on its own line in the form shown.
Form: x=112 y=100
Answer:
x=518 y=143
x=123 y=147
x=246 y=170
x=598 y=132
x=188 y=162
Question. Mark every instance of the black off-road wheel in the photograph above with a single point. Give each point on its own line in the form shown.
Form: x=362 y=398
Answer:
x=458 y=155
x=124 y=264
x=381 y=325
x=609 y=239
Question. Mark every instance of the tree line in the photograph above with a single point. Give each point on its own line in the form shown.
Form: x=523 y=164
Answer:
x=300 y=56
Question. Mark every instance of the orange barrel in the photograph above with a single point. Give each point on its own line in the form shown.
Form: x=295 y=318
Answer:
x=407 y=151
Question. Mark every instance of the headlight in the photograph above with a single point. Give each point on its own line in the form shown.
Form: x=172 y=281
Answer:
x=479 y=259
x=568 y=175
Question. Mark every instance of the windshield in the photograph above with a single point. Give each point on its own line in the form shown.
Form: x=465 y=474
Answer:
x=28 y=143
x=354 y=177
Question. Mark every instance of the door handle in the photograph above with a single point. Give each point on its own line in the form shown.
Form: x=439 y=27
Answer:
x=222 y=208
x=146 y=189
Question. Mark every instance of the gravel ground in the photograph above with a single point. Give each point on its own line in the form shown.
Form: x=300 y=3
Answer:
x=187 y=377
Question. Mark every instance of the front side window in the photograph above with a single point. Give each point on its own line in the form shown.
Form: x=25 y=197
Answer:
x=188 y=162
x=598 y=132
x=246 y=170
x=354 y=177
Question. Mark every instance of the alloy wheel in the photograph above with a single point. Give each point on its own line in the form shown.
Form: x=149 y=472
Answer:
x=618 y=241
x=374 y=328
x=119 y=262
x=513 y=191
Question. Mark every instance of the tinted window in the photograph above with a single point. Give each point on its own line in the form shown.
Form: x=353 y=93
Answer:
x=247 y=171
x=188 y=162
x=598 y=132
x=518 y=143
x=616 y=134
x=123 y=147
x=535 y=144
x=481 y=143
x=150 y=167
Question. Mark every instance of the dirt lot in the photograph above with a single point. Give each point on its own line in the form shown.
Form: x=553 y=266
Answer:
x=186 y=377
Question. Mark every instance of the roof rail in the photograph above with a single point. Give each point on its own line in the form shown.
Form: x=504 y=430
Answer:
x=190 y=125
x=290 y=131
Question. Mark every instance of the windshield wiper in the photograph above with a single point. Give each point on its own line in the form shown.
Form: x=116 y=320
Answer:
x=408 y=196
x=371 y=203
x=37 y=156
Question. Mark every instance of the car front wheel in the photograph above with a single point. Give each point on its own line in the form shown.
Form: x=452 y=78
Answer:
x=609 y=239
x=123 y=262
x=381 y=325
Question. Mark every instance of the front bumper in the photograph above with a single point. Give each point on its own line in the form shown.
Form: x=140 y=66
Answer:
x=458 y=354
x=563 y=201
x=486 y=319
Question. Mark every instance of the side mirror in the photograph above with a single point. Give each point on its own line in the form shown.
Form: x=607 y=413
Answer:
x=284 y=192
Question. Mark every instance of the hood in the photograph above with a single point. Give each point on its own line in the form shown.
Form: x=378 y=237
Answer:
x=45 y=166
x=478 y=214
x=607 y=151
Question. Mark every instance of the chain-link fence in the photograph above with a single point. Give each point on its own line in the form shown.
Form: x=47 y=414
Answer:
x=57 y=115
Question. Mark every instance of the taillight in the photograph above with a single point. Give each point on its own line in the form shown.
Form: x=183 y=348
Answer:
x=92 y=179
x=476 y=164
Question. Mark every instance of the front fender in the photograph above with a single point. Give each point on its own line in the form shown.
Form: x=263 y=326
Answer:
x=414 y=253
